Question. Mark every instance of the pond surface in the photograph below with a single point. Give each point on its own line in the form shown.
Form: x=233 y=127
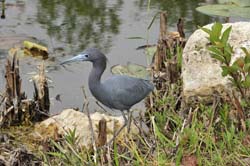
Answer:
x=67 y=27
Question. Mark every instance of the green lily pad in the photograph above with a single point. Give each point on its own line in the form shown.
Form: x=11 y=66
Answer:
x=225 y=10
x=131 y=69
x=242 y=3
x=243 y=12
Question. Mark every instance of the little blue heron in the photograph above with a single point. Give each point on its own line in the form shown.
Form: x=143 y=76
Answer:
x=119 y=91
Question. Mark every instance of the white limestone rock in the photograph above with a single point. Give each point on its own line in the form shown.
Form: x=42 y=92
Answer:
x=70 y=119
x=202 y=74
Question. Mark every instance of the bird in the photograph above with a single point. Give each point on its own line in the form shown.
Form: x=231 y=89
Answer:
x=118 y=92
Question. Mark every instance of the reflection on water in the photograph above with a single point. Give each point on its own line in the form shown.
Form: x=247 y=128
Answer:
x=67 y=27
x=81 y=22
x=177 y=9
x=84 y=23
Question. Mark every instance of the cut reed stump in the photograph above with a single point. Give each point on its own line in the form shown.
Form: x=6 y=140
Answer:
x=41 y=94
x=15 y=107
x=168 y=48
x=166 y=69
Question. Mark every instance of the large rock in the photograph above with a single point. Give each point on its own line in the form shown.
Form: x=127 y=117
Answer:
x=202 y=74
x=70 y=119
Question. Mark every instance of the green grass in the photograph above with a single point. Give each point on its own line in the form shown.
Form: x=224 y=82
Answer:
x=208 y=133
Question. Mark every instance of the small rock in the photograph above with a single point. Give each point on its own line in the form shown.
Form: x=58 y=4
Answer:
x=70 y=119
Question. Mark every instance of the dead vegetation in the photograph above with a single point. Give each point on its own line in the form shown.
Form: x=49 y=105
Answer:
x=17 y=148
x=16 y=108
x=166 y=67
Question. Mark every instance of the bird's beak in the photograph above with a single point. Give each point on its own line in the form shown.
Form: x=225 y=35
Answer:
x=80 y=57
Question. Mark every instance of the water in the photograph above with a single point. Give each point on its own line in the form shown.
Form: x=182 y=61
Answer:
x=67 y=27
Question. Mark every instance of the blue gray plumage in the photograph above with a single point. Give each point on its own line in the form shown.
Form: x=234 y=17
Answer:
x=119 y=91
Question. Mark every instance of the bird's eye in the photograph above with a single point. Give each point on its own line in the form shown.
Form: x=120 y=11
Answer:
x=86 y=55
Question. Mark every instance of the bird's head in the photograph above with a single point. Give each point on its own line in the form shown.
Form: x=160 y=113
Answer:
x=90 y=54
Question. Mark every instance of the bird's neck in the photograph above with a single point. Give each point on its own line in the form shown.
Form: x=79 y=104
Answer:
x=96 y=73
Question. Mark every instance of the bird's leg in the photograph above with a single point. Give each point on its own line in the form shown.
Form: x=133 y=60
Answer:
x=123 y=126
x=99 y=104
x=129 y=120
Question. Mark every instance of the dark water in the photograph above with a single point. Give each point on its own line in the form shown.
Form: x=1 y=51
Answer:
x=67 y=27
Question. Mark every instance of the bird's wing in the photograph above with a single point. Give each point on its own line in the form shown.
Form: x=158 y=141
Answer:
x=127 y=90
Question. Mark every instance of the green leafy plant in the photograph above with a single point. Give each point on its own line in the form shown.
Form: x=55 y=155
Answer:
x=66 y=151
x=239 y=70
x=71 y=137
